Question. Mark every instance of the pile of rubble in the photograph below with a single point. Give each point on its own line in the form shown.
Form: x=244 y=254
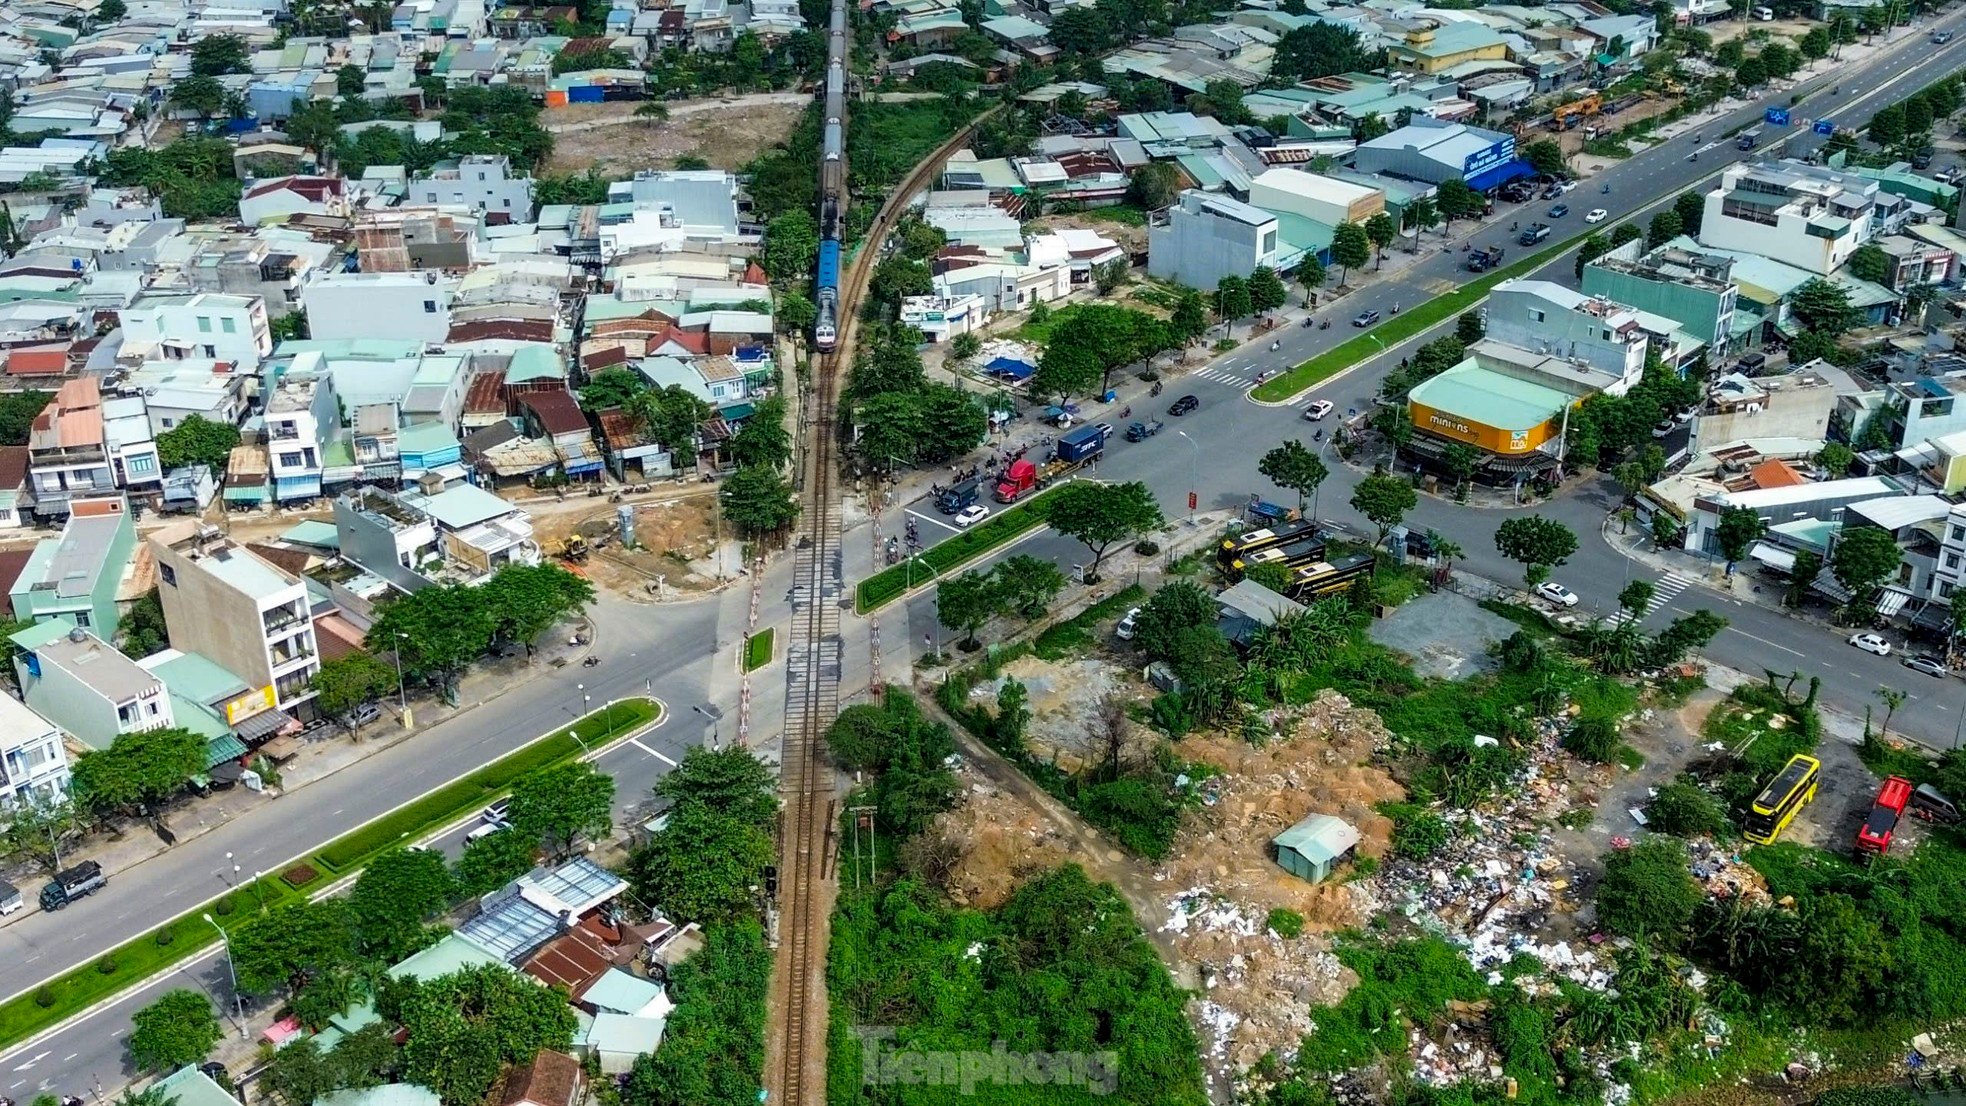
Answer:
x=1725 y=875
x=1064 y=701
x=998 y=844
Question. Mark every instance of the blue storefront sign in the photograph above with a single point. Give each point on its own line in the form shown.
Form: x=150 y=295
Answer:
x=1498 y=154
x=1778 y=117
x=1824 y=127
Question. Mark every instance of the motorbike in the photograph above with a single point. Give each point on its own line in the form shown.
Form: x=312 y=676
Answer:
x=1319 y=436
x=1395 y=309
x=1127 y=411
x=1309 y=322
x=1325 y=325
x=1604 y=190
x=1155 y=390
x=590 y=662
x=1274 y=346
x=1695 y=157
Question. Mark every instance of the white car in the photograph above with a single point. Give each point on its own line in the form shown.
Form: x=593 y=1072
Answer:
x=1556 y=593
x=1871 y=643
x=1124 y=631
x=971 y=515
x=1566 y=184
x=1597 y=215
x=1318 y=410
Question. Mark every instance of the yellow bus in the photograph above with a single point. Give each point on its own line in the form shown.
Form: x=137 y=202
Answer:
x=1787 y=793
x=1249 y=541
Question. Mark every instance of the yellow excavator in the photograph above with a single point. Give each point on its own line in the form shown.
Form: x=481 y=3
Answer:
x=574 y=549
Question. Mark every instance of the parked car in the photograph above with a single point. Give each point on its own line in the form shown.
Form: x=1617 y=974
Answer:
x=1318 y=410
x=1664 y=428
x=1183 y=405
x=1365 y=318
x=1556 y=593
x=1871 y=643
x=498 y=814
x=1124 y=631
x=1596 y=215
x=1931 y=666
x=1565 y=185
x=971 y=515
x=1559 y=211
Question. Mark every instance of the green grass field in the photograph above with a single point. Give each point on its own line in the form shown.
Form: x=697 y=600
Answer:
x=757 y=649
x=188 y=934
x=1007 y=524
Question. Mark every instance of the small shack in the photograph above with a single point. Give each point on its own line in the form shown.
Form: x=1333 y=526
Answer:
x=1308 y=849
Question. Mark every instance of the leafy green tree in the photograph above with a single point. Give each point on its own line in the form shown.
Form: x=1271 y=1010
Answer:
x=1173 y=608
x=1294 y=467
x=143 y=630
x=1383 y=232
x=1685 y=809
x=796 y=314
x=706 y=865
x=394 y=896
x=897 y=277
x=1870 y=262
x=1069 y=369
x=1808 y=566
x=713 y=1045
x=1029 y=584
x=1423 y=213
x=109 y=11
x=176 y=1029
x=559 y=804
x=1691 y=208
x=1815 y=44
x=1470 y=328
x=1351 y=248
x=299 y=1073
x=1098 y=515
x=18 y=410
x=1836 y=459
x=464 y=1028
x=758 y=501
x=964 y=603
x=38 y=827
x=494 y=860
x=1665 y=227
x=291 y=945
x=1190 y=318
x=218 y=55
x=1312 y=275
x=1154 y=186
x=952 y=420
x=1887 y=125
x=1545 y=156
x=1266 y=290
x=1537 y=543
x=1232 y=299
x=346 y=683
x=1649 y=891
x=1863 y=559
x=138 y=769
x=728 y=781
x=436 y=631
x=612 y=387
x=197 y=441
x=202 y=96
x=1593 y=246
x=1737 y=531
x=763 y=439
x=1456 y=200
x=1384 y=498
x=1318 y=49
x=1636 y=596
x=965 y=345
x=349 y=80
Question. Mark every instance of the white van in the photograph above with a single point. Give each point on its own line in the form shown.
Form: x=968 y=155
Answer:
x=1764 y=15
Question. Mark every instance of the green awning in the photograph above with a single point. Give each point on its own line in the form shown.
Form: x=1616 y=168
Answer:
x=221 y=749
x=246 y=495
x=737 y=412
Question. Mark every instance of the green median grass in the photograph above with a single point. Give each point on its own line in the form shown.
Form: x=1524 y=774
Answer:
x=187 y=935
x=757 y=649
x=1399 y=328
x=890 y=583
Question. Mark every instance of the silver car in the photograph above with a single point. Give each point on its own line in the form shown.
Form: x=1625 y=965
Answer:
x=1931 y=666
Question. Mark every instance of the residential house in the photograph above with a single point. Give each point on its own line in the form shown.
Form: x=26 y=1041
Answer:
x=556 y=417
x=1695 y=290
x=170 y=326
x=15 y=507
x=226 y=602
x=67 y=455
x=132 y=447
x=33 y=758
x=1204 y=238
x=461 y=534
x=394 y=306
x=76 y=576
x=280 y=198
x=1823 y=501
x=1549 y=318
x=482 y=182
x=81 y=683
x=1802 y=215
x=302 y=415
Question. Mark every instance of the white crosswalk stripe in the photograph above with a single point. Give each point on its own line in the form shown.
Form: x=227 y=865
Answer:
x=1221 y=376
x=1663 y=591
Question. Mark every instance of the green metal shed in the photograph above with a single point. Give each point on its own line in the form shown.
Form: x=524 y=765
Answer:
x=1309 y=848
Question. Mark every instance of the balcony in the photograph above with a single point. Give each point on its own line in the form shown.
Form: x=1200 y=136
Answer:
x=282 y=620
x=286 y=656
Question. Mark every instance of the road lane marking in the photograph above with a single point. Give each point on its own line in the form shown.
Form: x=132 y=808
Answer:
x=1765 y=641
x=69 y=1057
x=35 y=1059
x=637 y=743
x=936 y=521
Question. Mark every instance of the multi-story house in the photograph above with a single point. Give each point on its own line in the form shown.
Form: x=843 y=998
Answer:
x=33 y=761
x=230 y=604
x=1204 y=238
x=67 y=457
x=171 y=326
x=483 y=182
x=76 y=575
x=301 y=414
x=414 y=539
x=1802 y=215
x=81 y=683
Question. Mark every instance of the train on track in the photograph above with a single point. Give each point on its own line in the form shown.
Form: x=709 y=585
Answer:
x=832 y=186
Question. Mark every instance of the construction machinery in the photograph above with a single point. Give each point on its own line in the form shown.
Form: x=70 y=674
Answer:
x=574 y=549
x=1566 y=116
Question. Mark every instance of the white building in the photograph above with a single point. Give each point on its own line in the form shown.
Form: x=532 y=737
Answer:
x=300 y=414
x=942 y=318
x=173 y=326
x=1318 y=198
x=1205 y=237
x=402 y=307
x=1801 y=215
x=483 y=182
x=33 y=760
x=280 y=198
x=1549 y=318
x=82 y=684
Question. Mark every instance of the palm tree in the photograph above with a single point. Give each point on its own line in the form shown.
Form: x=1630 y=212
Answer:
x=655 y=111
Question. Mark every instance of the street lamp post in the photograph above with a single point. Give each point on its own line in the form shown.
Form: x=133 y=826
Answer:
x=1194 y=474
x=402 y=695
x=238 y=1005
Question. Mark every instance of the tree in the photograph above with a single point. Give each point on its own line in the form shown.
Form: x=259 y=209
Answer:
x=1593 y=246
x=179 y=1028
x=1294 y=467
x=1751 y=73
x=1648 y=891
x=1665 y=227
x=791 y=245
x=1098 y=515
x=464 y=1028
x=1172 y=609
x=1808 y=566
x=349 y=80
x=109 y=11
x=655 y=111
x=1815 y=45
x=1537 y=543
x=1318 y=49
x=1424 y=214
x=1870 y=262
x=218 y=55
x=197 y=441
x=292 y=944
x=1232 y=299
x=392 y=899
x=1384 y=498
x=1736 y=532
x=1109 y=276
x=1546 y=157
x=612 y=387
x=1685 y=809
x=966 y=345
x=1351 y=248
x=1190 y=318
x=1069 y=369
x=37 y=828
x=1691 y=207
x=202 y=96
x=1383 y=232
x=1634 y=598
x=1456 y=200
x=1887 y=125
x=1266 y=290
x=1863 y=558
x=525 y=601
x=729 y=781
x=897 y=277
x=706 y=865
x=1311 y=274
x=1470 y=328
x=347 y=683
x=436 y=631
x=964 y=603
x=143 y=631
x=138 y=769
x=763 y=440
x=758 y=501
x=1028 y=584
x=1892 y=698
x=494 y=860
x=796 y=314
x=1154 y=186
x=1836 y=459
x=557 y=805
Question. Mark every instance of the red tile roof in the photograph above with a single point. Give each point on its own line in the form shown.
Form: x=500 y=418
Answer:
x=1775 y=473
x=317 y=189
x=694 y=341
x=603 y=358
x=619 y=429
x=648 y=324
x=552 y=1079
x=556 y=411
x=37 y=361
x=13 y=467
x=513 y=330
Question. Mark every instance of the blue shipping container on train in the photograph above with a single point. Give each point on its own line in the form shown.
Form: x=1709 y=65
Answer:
x=829 y=264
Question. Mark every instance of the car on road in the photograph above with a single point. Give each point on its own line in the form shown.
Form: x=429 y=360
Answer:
x=1565 y=185
x=1664 y=428
x=1597 y=215
x=1318 y=410
x=498 y=814
x=1365 y=318
x=1559 y=211
x=1183 y=405
x=971 y=515
x=1124 y=631
x=1941 y=38
x=1931 y=666
x=1871 y=643
x=1554 y=592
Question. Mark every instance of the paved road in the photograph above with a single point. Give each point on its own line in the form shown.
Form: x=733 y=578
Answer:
x=1214 y=450
x=673 y=651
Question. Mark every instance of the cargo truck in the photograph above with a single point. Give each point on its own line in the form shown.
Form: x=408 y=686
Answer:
x=1532 y=234
x=1075 y=449
x=962 y=495
x=70 y=884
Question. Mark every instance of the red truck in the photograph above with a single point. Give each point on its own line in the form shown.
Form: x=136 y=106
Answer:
x=1874 y=836
x=1075 y=448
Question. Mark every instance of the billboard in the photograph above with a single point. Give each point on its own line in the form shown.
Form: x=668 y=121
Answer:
x=1501 y=153
x=249 y=704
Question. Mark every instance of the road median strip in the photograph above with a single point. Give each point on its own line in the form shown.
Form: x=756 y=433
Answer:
x=184 y=937
x=1000 y=529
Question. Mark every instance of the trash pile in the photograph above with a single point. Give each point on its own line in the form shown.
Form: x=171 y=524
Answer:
x=1725 y=875
x=1461 y=1051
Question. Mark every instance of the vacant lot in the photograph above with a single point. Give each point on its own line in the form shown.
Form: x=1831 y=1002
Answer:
x=615 y=143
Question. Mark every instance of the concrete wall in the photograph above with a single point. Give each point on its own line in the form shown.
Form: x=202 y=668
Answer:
x=1198 y=248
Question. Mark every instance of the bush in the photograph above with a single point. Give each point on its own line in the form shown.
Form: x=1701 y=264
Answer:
x=44 y=998
x=1146 y=548
x=300 y=875
x=1594 y=738
x=1648 y=890
x=107 y=965
x=1418 y=833
x=1285 y=923
x=1685 y=809
x=165 y=936
x=223 y=906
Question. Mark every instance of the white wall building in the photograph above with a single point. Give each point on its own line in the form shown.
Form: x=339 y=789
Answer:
x=1801 y=215
x=1546 y=317
x=296 y=414
x=1321 y=199
x=176 y=326
x=403 y=307
x=33 y=760
x=483 y=182
x=1206 y=237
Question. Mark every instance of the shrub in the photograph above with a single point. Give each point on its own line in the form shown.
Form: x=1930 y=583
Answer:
x=107 y=965
x=44 y=997
x=165 y=937
x=1685 y=809
x=1146 y=548
x=300 y=875
x=1285 y=923
x=223 y=906
x=1594 y=738
x=1418 y=833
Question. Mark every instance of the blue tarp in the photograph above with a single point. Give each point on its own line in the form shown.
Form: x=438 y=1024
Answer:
x=1501 y=174
x=1009 y=368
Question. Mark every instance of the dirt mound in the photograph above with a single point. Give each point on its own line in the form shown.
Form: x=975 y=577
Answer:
x=996 y=843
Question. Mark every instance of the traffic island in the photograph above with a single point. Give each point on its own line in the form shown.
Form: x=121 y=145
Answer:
x=188 y=935
x=998 y=530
